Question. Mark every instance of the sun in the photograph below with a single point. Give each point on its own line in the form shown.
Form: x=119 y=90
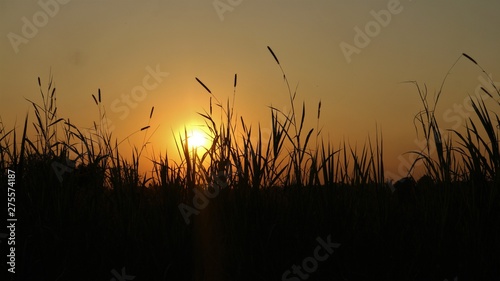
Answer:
x=197 y=139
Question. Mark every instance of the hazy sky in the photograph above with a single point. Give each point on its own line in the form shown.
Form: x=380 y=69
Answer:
x=351 y=55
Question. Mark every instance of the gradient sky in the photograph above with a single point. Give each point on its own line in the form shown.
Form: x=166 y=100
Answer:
x=114 y=45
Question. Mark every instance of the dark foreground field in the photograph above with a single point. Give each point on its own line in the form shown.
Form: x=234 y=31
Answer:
x=77 y=232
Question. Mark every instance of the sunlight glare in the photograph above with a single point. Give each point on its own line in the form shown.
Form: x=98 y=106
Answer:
x=197 y=139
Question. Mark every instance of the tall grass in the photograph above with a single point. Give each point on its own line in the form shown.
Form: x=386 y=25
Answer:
x=239 y=156
x=82 y=198
x=476 y=157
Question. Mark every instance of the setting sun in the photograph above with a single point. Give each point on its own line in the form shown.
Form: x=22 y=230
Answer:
x=197 y=139
x=250 y=140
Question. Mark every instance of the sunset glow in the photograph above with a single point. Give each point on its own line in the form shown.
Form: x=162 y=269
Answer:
x=197 y=139
x=250 y=140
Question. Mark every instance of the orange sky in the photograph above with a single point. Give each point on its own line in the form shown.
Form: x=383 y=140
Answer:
x=351 y=55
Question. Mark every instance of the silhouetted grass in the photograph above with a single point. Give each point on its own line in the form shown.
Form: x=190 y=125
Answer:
x=85 y=209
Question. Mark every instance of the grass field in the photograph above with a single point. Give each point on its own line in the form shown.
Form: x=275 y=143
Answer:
x=249 y=208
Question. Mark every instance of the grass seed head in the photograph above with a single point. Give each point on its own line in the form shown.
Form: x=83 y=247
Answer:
x=206 y=88
x=319 y=109
x=471 y=59
x=272 y=53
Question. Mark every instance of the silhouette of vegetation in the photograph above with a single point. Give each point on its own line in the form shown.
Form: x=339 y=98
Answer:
x=85 y=209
